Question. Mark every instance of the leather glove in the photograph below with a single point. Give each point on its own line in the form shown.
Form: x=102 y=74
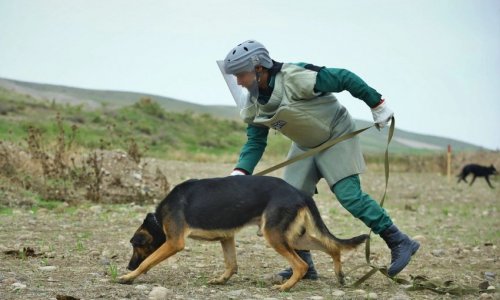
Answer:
x=237 y=172
x=382 y=115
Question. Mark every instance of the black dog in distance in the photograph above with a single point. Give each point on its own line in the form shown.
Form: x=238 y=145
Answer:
x=477 y=171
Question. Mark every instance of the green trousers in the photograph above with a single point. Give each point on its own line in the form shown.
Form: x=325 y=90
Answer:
x=360 y=204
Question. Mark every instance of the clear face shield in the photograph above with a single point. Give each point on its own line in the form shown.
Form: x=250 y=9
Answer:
x=244 y=94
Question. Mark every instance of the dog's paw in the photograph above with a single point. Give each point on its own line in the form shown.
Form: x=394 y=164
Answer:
x=125 y=280
x=218 y=280
x=281 y=287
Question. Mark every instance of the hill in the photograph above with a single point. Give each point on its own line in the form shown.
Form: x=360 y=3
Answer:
x=404 y=142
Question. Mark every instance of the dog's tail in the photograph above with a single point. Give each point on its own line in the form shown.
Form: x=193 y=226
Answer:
x=342 y=243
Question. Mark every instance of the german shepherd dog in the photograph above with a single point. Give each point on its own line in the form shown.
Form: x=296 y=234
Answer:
x=477 y=171
x=216 y=209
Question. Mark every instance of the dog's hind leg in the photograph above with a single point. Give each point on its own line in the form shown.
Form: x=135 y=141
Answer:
x=488 y=181
x=169 y=248
x=327 y=245
x=276 y=239
x=337 y=264
x=473 y=179
x=229 y=250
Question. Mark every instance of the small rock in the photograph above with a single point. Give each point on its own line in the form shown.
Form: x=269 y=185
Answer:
x=105 y=261
x=8 y=281
x=400 y=297
x=490 y=276
x=485 y=296
x=159 y=293
x=419 y=238
x=141 y=287
x=338 y=293
x=491 y=288
x=47 y=268
x=372 y=296
x=484 y=285
x=96 y=209
x=137 y=176
x=316 y=298
x=273 y=278
x=18 y=286
x=235 y=294
x=438 y=252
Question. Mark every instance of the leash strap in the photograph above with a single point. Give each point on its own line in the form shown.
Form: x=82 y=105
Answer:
x=316 y=150
x=374 y=269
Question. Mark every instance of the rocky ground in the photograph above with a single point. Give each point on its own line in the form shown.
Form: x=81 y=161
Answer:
x=78 y=250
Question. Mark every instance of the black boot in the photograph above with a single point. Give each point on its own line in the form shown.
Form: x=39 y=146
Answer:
x=311 y=272
x=402 y=248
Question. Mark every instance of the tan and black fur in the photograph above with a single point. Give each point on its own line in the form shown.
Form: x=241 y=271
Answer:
x=216 y=209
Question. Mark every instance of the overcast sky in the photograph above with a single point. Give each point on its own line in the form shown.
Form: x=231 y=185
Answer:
x=437 y=62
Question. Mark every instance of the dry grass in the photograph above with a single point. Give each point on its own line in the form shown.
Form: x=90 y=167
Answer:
x=456 y=224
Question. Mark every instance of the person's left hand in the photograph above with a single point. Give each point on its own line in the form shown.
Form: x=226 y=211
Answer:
x=382 y=115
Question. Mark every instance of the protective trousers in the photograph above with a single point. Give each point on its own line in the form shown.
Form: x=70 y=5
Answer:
x=361 y=205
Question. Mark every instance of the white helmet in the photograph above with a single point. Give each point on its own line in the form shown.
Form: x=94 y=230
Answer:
x=246 y=56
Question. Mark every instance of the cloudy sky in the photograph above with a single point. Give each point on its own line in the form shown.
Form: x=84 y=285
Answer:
x=437 y=63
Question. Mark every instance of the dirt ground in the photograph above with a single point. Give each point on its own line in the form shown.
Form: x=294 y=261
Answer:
x=82 y=248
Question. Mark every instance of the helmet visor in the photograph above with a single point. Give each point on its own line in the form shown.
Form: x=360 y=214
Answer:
x=243 y=87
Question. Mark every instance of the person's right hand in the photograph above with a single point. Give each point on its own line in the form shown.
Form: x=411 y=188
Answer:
x=237 y=172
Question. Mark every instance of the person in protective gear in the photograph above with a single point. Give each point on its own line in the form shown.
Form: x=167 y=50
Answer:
x=297 y=100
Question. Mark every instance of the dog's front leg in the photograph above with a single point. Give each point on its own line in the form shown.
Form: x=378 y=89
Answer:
x=229 y=250
x=166 y=250
x=488 y=181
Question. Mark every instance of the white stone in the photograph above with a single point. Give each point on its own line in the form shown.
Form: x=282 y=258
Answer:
x=372 y=296
x=235 y=294
x=159 y=293
x=338 y=293
x=316 y=298
x=438 y=252
x=400 y=297
x=419 y=238
x=48 y=268
x=96 y=209
x=360 y=292
x=141 y=287
x=18 y=286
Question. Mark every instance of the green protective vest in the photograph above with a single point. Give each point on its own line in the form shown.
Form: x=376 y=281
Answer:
x=309 y=119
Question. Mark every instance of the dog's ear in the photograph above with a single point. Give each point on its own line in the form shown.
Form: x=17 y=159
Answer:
x=138 y=240
x=149 y=216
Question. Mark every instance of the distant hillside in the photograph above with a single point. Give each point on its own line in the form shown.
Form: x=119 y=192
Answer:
x=372 y=140
x=98 y=98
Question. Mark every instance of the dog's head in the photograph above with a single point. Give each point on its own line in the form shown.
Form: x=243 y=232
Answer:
x=493 y=170
x=146 y=240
